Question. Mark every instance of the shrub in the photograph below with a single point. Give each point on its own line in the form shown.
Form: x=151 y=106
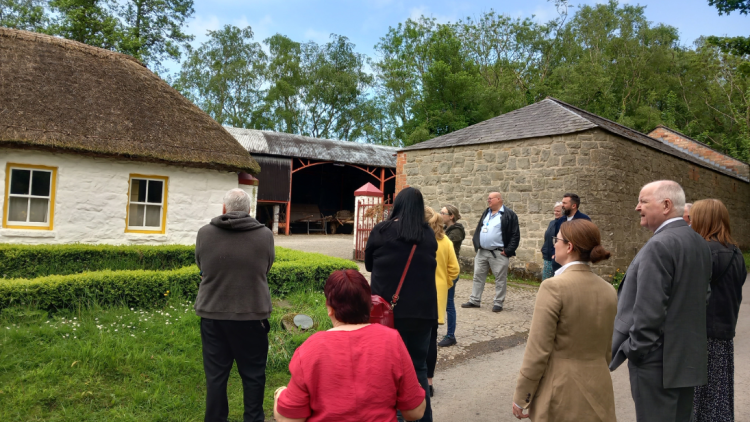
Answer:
x=31 y=261
x=293 y=270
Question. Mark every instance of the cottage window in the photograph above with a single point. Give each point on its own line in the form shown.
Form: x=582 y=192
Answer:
x=29 y=197
x=147 y=199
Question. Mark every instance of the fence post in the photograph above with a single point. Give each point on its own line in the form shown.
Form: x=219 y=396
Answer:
x=366 y=199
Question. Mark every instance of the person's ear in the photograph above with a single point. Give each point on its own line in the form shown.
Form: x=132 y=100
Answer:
x=223 y=209
x=668 y=206
x=570 y=248
x=330 y=311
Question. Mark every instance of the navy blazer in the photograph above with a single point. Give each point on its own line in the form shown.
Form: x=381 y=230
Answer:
x=558 y=223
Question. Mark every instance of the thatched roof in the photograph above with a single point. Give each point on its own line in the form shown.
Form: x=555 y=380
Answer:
x=62 y=95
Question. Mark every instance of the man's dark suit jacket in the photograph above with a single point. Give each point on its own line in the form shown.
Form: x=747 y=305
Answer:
x=558 y=223
x=508 y=226
x=662 y=301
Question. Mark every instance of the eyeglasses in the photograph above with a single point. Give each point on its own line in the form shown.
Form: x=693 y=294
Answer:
x=444 y=213
x=490 y=199
x=555 y=239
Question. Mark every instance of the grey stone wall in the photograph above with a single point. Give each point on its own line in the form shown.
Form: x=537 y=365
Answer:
x=607 y=171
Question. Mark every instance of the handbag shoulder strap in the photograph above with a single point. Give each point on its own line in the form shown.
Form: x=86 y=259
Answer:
x=394 y=300
x=731 y=259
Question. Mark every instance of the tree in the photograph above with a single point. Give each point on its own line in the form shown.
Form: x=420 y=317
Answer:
x=739 y=46
x=333 y=95
x=729 y=6
x=225 y=77
x=153 y=29
x=88 y=21
x=286 y=78
x=29 y=15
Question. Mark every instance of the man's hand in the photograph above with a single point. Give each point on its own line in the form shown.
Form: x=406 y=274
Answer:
x=503 y=253
x=518 y=412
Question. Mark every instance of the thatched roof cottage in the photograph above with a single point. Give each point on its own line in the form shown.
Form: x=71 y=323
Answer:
x=96 y=148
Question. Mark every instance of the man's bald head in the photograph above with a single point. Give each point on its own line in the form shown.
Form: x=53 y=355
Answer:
x=494 y=201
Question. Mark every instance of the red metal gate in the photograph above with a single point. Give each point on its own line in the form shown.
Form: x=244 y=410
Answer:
x=368 y=215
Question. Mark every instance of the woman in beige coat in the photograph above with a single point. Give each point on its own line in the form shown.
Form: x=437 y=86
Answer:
x=565 y=374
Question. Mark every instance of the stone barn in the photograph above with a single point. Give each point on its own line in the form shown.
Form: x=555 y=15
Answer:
x=95 y=148
x=535 y=154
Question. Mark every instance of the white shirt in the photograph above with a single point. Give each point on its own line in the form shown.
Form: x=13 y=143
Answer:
x=671 y=220
x=571 y=217
x=562 y=269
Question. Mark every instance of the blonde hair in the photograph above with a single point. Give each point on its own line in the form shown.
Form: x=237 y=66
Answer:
x=710 y=219
x=435 y=222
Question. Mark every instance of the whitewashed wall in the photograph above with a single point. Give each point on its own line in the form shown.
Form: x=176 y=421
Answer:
x=92 y=197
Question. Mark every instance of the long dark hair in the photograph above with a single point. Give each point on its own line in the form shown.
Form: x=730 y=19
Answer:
x=408 y=208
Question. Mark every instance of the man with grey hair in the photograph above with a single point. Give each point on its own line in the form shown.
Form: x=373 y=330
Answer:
x=496 y=239
x=234 y=254
x=660 y=326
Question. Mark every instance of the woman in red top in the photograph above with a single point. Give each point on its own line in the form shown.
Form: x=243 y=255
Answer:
x=355 y=370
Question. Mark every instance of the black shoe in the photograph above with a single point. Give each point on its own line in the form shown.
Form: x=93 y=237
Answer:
x=469 y=305
x=432 y=391
x=447 y=341
x=497 y=308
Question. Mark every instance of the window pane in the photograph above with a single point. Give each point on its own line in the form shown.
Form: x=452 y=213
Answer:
x=154 y=191
x=38 y=210
x=40 y=183
x=135 y=215
x=17 y=208
x=153 y=216
x=138 y=190
x=19 y=181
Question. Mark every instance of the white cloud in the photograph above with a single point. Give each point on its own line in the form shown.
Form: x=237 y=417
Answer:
x=416 y=12
x=319 y=37
x=202 y=24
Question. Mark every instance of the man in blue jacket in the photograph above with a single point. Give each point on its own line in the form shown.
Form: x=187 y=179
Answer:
x=570 y=204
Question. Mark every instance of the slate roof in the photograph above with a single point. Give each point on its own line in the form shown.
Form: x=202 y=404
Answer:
x=289 y=145
x=552 y=117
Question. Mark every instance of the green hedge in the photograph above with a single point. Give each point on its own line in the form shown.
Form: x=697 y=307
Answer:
x=31 y=261
x=147 y=288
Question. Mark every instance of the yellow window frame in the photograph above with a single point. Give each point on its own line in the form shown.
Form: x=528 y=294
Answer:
x=165 y=179
x=53 y=192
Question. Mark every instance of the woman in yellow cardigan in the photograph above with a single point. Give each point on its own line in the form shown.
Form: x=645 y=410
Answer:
x=447 y=270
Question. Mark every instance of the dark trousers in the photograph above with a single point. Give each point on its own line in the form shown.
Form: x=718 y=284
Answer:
x=225 y=342
x=653 y=402
x=417 y=341
x=432 y=353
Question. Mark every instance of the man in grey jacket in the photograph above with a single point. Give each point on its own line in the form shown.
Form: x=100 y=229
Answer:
x=660 y=326
x=235 y=254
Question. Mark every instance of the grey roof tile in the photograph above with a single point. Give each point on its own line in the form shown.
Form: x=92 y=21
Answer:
x=552 y=117
x=289 y=145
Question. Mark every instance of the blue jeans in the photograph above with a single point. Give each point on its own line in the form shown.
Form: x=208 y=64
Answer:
x=450 y=310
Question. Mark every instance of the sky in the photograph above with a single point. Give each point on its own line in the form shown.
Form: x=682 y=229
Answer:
x=365 y=22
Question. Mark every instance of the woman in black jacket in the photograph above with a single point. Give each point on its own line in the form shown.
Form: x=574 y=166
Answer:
x=715 y=400
x=456 y=233
x=548 y=250
x=386 y=253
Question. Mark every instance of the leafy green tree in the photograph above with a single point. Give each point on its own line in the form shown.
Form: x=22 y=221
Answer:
x=153 y=29
x=286 y=78
x=729 y=6
x=29 y=15
x=225 y=77
x=334 y=92
x=88 y=21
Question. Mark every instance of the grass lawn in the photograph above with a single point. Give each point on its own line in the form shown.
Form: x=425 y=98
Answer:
x=746 y=254
x=125 y=364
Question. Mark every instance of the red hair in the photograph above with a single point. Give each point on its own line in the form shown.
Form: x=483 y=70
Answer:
x=349 y=294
